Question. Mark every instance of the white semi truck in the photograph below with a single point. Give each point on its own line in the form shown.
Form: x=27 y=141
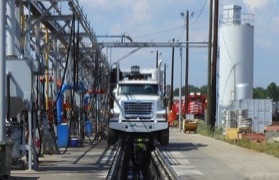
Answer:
x=138 y=108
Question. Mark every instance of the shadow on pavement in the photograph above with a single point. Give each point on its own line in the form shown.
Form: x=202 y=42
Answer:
x=182 y=147
x=72 y=162
x=22 y=178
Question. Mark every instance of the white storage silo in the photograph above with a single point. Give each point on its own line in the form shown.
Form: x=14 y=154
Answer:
x=236 y=41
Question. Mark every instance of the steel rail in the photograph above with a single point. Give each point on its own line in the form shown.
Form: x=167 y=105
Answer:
x=164 y=170
x=117 y=163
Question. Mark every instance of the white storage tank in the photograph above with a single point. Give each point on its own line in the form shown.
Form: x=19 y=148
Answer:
x=243 y=91
x=236 y=41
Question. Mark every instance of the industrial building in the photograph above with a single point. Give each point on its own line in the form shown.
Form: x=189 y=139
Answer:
x=236 y=68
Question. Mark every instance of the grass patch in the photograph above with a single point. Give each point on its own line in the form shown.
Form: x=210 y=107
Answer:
x=206 y=131
x=271 y=148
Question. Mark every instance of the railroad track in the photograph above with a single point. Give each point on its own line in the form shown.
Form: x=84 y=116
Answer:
x=160 y=169
x=139 y=161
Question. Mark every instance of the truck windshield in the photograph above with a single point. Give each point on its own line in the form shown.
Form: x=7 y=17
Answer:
x=150 y=89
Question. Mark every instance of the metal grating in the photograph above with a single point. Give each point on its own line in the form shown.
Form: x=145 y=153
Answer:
x=138 y=109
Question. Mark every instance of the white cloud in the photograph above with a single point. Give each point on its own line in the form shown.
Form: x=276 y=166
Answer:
x=117 y=29
x=97 y=3
x=274 y=24
x=106 y=5
x=268 y=37
x=256 y=4
x=146 y=20
x=141 y=10
x=251 y=5
x=264 y=42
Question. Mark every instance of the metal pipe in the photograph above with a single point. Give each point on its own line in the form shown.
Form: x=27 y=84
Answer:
x=8 y=95
x=22 y=27
x=30 y=136
x=47 y=68
x=34 y=134
x=165 y=83
x=59 y=103
x=10 y=51
x=159 y=73
x=172 y=71
x=117 y=72
x=157 y=56
x=186 y=64
x=180 y=85
x=17 y=29
x=55 y=68
x=27 y=45
x=2 y=69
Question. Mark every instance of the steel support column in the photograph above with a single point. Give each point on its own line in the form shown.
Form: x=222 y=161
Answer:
x=2 y=70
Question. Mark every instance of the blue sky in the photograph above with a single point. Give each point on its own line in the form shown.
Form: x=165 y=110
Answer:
x=160 y=21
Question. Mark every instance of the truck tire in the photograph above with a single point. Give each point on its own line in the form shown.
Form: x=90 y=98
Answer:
x=164 y=137
x=111 y=137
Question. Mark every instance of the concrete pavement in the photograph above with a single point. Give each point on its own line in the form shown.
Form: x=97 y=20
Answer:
x=192 y=156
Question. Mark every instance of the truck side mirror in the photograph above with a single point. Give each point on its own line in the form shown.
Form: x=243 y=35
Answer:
x=114 y=92
x=165 y=100
x=111 y=102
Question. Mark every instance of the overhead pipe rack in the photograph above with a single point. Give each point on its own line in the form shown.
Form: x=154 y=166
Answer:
x=45 y=31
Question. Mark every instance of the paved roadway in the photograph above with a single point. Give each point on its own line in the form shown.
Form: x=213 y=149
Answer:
x=195 y=157
x=192 y=156
x=89 y=162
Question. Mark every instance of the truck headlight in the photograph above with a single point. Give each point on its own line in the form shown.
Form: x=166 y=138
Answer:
x=161 y=116
x=114 y=116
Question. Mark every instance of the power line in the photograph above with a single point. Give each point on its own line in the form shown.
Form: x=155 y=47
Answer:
x=130 y=53
x=181 y=34
x=159 y=32
x=175 y=28
x=199 y=13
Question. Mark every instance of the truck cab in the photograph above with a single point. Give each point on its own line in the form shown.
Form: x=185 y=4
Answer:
x=138 y=107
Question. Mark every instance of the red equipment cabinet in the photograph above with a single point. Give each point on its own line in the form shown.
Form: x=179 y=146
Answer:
x=196 y=105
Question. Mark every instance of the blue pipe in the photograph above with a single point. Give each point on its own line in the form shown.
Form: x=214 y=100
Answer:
x=59 y=103
x=80 y=86
x=59 y=109
x=86 y=99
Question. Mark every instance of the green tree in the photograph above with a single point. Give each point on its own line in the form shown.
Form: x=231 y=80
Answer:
x=272 y=91
x=193 y=89
x=176 y=91
x=259 y=93
x=203 y=89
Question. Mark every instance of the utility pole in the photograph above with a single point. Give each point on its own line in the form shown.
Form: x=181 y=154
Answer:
x=208 y=110
x=172 y=69
x=214 y=64
x=187 y=62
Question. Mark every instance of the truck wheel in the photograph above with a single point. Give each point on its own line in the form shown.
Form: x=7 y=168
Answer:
x=111 y=137
x=164 y=137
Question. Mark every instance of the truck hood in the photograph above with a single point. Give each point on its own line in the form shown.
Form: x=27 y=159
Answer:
x=138 y=97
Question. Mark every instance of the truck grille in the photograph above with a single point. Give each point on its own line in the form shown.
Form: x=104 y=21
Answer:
x=141 y=110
